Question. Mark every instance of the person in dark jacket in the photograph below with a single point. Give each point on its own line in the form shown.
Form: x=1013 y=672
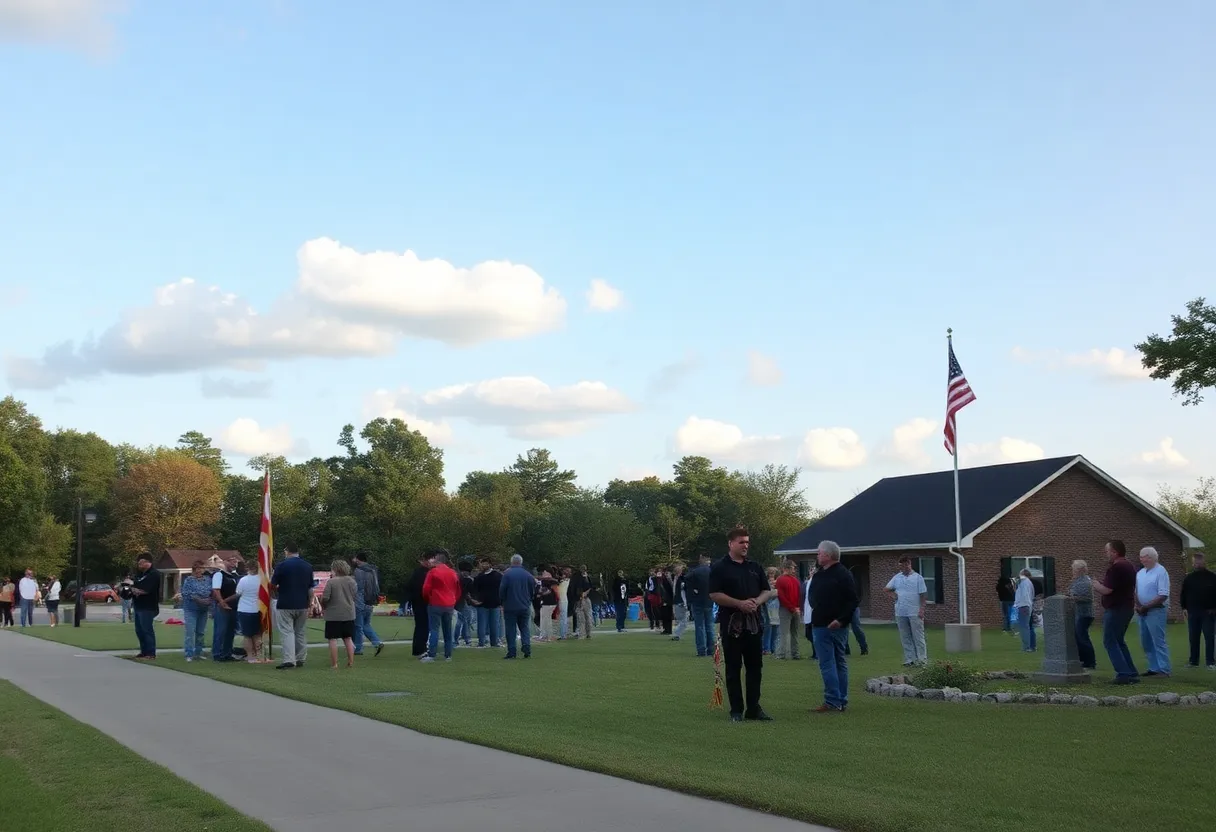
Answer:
x=464 y=610
x=620 y=599
x=422 y=627
x=666 y=594
x=146 y=590
x=833 y=602
x=1005 y=592
x=516 y=591
x=486 y=601
x=1198 y=602
x=700 y=605
x=367 y=582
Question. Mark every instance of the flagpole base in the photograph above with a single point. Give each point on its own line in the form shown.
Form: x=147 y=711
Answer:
x=963 y=638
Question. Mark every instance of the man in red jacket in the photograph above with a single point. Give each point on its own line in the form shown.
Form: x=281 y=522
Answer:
x=789 y=596
x=441 y=591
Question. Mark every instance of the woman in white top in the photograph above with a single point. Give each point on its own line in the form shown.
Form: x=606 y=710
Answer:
x=51 y=599
x=806 y=609
x=248 y=614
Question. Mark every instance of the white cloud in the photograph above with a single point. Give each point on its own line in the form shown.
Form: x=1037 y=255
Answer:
x=762 y=370
x=431 y=299
x=907 y=443
x=193 y=327
x=80 y=24
x=1165 y=457
x=247 y=438
x=345 y=304
x=721 y=441
x=831 y=449
x=228 y=388
x=994 y=453
x=390 y=404
x=603 y=296
x=528 y=407
x=1113 y=363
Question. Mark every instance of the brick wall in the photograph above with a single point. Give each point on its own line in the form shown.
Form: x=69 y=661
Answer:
x=1071 y=518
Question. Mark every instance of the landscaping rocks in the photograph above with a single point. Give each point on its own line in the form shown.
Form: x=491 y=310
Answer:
x=899 y=687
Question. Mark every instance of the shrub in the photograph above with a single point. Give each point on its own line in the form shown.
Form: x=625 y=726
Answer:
x=948 y=675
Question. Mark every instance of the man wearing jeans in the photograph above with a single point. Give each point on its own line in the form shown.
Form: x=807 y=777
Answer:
x=146 y=590
x=440 y=590
x=367 y=579
x=1023 y=600
x=910 y=594
x=223 y=627
x=515 y=592
x=1118 y=591
x=701 y=606
x=1152 y=602
x=834 y=598
x=487 y=603
x=292 y=583
x=28 y=588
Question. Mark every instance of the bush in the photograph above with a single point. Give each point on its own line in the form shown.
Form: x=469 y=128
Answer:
x=948 y=675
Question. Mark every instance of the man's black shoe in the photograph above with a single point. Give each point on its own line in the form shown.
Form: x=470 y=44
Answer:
x=736 y=717
x=758 y=716
x=285 y=666
x=379 y=647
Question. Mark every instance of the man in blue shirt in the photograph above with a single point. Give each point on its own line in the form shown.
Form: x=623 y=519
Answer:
x=292 y=584
x=516 y=590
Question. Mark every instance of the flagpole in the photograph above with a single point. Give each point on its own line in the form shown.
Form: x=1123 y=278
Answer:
x=958 y=518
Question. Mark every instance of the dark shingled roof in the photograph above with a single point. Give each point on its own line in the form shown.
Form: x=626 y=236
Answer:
x=918 y=510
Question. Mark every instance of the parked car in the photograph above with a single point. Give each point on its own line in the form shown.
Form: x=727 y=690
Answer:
x=92 y=592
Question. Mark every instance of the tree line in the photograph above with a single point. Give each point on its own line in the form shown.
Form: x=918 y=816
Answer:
x=383 y=491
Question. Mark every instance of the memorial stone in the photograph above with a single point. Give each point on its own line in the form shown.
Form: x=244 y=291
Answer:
x=1061 y=661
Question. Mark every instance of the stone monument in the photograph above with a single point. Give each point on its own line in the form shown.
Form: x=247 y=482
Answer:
x=1061 y=661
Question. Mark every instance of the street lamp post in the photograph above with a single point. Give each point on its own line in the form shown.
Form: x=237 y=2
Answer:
x=82 y=516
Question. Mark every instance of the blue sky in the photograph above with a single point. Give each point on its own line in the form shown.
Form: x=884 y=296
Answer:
x=787 y=204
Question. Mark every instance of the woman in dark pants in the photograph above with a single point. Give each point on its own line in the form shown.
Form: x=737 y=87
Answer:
x=1082 y=592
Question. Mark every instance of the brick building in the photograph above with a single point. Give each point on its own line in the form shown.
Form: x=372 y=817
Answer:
x=1039 y=515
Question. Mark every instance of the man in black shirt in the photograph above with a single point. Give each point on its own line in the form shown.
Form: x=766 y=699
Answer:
x=146 y=590
x=740 y=588
x=620 y=600
x=1198 y=603
x=487 y=603
x=833 y=600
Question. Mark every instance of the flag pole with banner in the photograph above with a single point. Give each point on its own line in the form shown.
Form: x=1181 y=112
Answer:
x=958 y=395
x=265 y=558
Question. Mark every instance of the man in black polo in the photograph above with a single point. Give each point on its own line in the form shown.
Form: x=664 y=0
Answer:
x=740 y=588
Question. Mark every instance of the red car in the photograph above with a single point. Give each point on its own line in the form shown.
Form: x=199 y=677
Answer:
x=96 y=593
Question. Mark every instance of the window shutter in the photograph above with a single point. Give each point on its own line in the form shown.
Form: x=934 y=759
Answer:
x=1006 y=568
x=1049 y=577
x=939 y=591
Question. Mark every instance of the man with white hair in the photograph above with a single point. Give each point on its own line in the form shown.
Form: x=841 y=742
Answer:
x=1152 y=603
x=834 y=598
x=516 y=591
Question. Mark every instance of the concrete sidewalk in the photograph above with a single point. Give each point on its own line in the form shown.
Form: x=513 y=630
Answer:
x=314 y=768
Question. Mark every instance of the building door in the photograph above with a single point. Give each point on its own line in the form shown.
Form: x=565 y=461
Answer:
x=859 y=565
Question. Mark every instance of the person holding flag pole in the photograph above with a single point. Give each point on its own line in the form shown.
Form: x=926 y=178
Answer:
x=265 y=556
x=958 y=395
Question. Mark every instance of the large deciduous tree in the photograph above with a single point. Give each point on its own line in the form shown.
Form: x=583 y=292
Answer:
x=30 y=536
x=1188 y=354
x=1193 y=509
x=200 y=449
x=168 y=502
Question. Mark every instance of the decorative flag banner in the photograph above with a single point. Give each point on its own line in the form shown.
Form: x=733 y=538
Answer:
x=265 y=558
x=958 y=395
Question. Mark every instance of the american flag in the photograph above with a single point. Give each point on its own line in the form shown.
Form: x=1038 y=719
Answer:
x=958 y=396
x=265 y=557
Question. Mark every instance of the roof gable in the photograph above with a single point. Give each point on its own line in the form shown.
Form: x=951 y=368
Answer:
x=185 y=558
x=917 y=511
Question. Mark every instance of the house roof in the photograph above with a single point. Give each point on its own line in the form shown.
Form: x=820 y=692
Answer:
x=185 y=558
x=917 y=511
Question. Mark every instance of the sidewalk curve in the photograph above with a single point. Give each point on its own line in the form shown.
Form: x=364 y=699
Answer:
x=314 y=768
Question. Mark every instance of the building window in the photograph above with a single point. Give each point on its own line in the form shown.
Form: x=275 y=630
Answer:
x=927 y=568
x=1035 y=565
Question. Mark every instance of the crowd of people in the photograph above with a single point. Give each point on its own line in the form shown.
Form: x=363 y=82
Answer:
x=24 y=595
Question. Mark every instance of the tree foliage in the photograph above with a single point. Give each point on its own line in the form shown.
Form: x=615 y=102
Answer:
x=1188 y=354
x=1193 y=509
x=168 y=502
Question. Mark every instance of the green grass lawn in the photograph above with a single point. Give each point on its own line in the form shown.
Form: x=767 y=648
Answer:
x=109 y=635
x=62 y=774
x=636 y=706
